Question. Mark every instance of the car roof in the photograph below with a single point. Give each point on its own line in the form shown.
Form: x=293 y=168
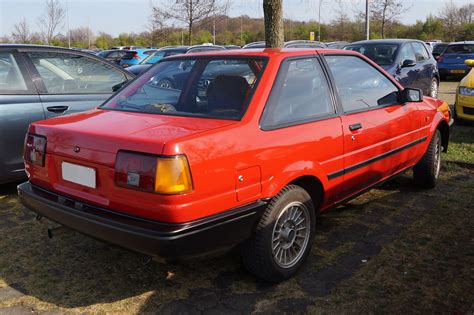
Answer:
x=469 y=42
x=396 y=41
x=264 y=52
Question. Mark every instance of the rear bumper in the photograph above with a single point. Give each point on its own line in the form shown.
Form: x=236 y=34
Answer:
x=158 y=239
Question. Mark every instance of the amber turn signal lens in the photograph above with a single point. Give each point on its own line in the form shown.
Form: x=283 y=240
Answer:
x=173 y=176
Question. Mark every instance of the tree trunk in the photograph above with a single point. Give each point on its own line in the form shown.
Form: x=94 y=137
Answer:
x=190 y=23
x=273 y=15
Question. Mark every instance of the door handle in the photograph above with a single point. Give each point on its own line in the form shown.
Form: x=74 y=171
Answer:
x=355 y=127
x=57 y=109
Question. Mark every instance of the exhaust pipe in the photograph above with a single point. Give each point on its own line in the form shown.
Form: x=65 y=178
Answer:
x=57 y=231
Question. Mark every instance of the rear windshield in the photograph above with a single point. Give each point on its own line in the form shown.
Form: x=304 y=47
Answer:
x=158 y=55
x=129 y=55
x=460 y=49
x=381 y=54
x=195 y=87
x=438 y=49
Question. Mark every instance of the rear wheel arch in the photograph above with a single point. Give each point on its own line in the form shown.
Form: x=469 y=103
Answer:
x=444 y=130
x=313 y=186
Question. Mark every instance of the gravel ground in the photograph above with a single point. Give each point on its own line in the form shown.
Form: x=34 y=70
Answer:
x=395 y=249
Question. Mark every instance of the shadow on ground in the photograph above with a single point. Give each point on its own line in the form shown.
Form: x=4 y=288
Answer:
x=76 y=272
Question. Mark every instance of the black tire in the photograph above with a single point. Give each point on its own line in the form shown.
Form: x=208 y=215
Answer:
x=165 y=84
x=426 y=171
x=434 y=87
x=268 y=261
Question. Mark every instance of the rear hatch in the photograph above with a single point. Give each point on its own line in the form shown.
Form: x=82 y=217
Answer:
x=90 y=141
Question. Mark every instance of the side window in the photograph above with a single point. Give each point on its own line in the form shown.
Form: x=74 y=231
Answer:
x=300 y=94
x=11 y=79
x=75 y=74
x=360 y=85
x=420 y=52
x=407 y=53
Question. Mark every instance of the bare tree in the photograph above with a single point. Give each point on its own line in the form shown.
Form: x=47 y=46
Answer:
x=81 y=37
x=51 y=20
x=190 y=12
x=386 y=11
x=273 y=17
x=449 y=15
x=341 y=21
x=21 y=32
x=157 y=27
x=466 y=13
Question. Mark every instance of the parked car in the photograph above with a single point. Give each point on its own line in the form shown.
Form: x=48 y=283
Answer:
x=113 y=55
x=127 y=47
x=165 y=173
x=134 y=57
x=337 y=45
x=170 y=51
x=289 y=44
x=464 y=106
x=438 y=49
x=38 y=82
x=451 y=62
x=409 y=61
x=432 y=43
x=232 y=47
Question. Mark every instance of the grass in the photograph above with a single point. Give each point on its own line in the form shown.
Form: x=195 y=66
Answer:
x=461 y=144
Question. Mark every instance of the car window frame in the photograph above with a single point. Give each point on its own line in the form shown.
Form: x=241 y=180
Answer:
x=376 y=67
x=22 y=66
x=38 y=80
x=335 y=113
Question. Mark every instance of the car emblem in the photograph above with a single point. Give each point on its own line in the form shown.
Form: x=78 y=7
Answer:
x=77 y=149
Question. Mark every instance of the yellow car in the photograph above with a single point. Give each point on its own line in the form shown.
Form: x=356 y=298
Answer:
x=464 y=106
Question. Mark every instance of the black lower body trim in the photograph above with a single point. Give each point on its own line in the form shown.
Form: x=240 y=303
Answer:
x=159 y=239
x=375 y=159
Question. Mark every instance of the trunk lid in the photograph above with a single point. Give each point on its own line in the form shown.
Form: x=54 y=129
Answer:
x=457 y=58
x=92 y=139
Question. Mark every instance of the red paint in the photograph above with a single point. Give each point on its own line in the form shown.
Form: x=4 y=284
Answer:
x=219 y=151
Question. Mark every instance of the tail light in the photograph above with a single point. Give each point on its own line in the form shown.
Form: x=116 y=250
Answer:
x=440 y=58
x=151 y=173
x=136 y=56
x=35 y=149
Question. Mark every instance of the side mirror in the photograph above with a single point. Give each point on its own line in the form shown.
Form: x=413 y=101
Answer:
x=411 y=95
x=118 y=86
x=469 y=62
x=408 y=63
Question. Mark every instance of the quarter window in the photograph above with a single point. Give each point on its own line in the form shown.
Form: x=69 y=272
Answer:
x=360 y=85
x=300 y=94
x=75 y=74
x=11 y=78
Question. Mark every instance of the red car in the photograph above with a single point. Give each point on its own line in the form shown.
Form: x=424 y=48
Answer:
x=251 y=147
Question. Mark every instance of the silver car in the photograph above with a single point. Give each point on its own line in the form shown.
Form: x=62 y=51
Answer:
x=40 y=82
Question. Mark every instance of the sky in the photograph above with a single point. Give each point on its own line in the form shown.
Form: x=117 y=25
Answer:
x=126 y=16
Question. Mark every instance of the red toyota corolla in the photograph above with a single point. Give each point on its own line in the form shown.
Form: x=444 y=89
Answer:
x=205 y=152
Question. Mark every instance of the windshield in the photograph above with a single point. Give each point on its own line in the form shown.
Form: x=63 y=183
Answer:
x=197 y=87
x=381 y=54
x=438 y=49
x=460 y=49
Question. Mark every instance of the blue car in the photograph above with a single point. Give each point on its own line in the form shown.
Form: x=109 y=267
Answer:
x=134 y=57
x=409 y=61
x=451 y=61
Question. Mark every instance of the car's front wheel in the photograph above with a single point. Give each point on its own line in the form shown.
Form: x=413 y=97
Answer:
x=426 y=171
x=283 y=237
x=434 y=88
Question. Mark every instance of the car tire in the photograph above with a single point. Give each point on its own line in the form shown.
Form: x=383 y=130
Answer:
x=165 y=84
x=434 y=87
x=426 y=171
x=283 y=237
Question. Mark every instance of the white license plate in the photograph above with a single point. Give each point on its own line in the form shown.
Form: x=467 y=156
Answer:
x=456 y=71
x=78 y=174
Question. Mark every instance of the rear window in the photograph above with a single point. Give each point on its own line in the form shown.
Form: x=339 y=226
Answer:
x=460 y=49
x=381 y=54
x=195 y=87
